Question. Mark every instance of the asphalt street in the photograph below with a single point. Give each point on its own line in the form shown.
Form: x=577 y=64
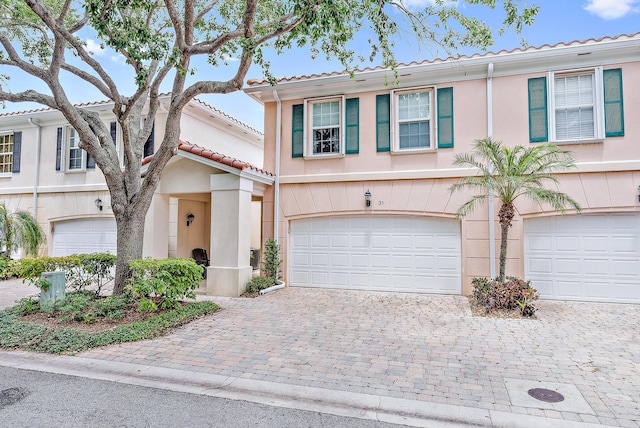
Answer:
x=38 y=399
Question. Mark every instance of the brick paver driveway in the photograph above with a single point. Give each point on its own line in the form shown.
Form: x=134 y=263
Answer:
x=420 y=347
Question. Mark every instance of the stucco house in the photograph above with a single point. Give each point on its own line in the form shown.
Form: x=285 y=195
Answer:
x=209 y=195
x=364 y=165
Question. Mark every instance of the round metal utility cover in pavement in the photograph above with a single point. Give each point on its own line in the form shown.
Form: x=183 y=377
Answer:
x=546 y=395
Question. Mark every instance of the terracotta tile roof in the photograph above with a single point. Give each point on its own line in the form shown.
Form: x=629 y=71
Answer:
x=260 y=81
x=214 y=156
x=106 y=102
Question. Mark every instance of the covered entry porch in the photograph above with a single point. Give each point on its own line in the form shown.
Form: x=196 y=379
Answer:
x=209 y=201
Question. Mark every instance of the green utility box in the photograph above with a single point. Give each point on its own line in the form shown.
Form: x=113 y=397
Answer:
x=53 y=291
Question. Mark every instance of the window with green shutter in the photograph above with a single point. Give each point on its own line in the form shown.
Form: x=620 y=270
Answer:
x=445 y=118
x=613 y=106
x=383 y=125
x=538 y=121
x=565 y=106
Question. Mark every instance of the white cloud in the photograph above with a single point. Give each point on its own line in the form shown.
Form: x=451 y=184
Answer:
x=611 y=9
x=94 y=47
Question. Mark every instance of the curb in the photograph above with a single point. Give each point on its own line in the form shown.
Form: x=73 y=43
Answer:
x=339 y=403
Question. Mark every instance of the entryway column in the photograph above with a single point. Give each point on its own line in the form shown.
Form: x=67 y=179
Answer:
x=230 y=267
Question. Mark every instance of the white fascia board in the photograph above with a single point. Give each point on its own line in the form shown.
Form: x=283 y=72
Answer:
x=246 y=173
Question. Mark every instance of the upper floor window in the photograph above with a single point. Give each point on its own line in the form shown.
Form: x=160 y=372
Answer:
x=583 y=105
x=10 y=149
x=414 y=120
x=75 y=154
x=6 y=153
x=325 y=120
x=325 y=128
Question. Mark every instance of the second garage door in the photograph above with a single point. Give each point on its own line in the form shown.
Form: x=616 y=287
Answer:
x=84 y=236
x=586 y=257
x=381 y=253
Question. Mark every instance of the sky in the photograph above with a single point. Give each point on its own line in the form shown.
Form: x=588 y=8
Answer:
x=557 y=21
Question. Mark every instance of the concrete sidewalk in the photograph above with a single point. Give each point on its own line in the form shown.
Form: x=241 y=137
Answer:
x=419 y=360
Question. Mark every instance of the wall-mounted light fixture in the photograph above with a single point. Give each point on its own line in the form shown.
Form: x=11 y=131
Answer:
x=367 y=198
x=98 y=203
x=638 y=193
x=190 y=219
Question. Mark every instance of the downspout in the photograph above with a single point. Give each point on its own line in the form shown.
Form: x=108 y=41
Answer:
x=276 y=196
x=492 y=227
x=37 y=165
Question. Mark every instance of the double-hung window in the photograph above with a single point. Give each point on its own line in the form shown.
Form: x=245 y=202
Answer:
x=576 y=106
x=325 y=127
x=75 y=155
x=325 y=123
x=6 y=153
x=414 y=122
x=574 y=114
x=10 y=152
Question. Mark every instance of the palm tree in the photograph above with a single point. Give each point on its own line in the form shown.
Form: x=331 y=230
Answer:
x=19 y=230
x=511 y=172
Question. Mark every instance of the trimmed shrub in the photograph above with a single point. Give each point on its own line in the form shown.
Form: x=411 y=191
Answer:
x=512 y=294
x=163 y=283
x=259 y=283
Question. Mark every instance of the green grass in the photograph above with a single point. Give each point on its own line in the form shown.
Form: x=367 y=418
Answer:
x=18 y=334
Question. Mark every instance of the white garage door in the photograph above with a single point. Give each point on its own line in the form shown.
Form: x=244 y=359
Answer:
x=84 y=236
x=390 y=253
x=586 y=257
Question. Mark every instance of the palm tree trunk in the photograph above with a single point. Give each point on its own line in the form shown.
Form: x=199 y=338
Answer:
x=506 y=214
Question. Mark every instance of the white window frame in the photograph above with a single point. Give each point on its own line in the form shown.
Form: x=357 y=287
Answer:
x=598 y=105
x=2 y=135
x=67 y=151
x=395 y=120
x=308 y=126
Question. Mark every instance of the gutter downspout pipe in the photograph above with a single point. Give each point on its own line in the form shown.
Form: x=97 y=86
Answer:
x=37 y=174
x=492 y=226
x=276 y=196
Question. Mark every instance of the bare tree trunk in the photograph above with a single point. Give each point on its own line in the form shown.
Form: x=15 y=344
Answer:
x=130 y=238
x=507 y=211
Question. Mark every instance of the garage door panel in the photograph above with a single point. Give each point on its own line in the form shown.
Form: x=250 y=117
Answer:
x=596 y=267
x=625 y=244
x=385 y=253
x=84 y=236
x=401 y=262
x=568 y=289
x=540 y=265
x=626 y=268
x=321 y=278
x=425 y=262
x=590 y=257
x=568 y=266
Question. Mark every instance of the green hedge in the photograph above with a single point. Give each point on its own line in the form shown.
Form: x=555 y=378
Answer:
x=81 y=270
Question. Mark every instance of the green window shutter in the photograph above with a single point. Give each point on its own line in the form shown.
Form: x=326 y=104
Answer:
x=17 y=151
x=613 y=107
x=297 y=131
x=445 y=118
x=353 y=126
x=383 y=125
x=538 y=120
